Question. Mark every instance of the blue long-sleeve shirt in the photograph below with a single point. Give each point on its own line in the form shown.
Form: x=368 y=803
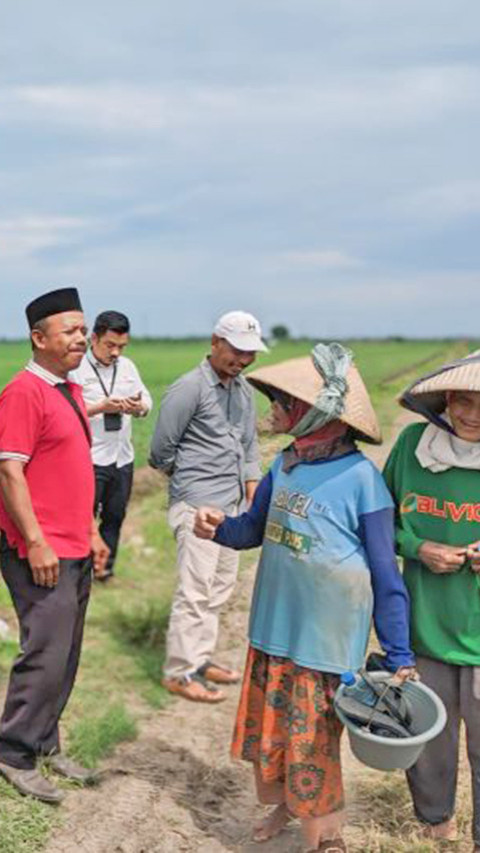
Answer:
x=374 y=532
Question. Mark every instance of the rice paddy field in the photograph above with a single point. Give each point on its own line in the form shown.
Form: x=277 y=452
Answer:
x=386 y=366
x=118 y=693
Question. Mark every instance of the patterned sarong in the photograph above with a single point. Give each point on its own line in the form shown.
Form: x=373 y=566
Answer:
x=287 y=725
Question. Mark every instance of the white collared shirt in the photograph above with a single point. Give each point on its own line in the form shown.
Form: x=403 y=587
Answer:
x=109 y=448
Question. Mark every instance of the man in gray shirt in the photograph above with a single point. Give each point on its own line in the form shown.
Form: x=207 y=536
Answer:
x=205 y=441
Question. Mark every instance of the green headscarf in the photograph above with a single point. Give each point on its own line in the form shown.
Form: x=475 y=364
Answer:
x=332 y=362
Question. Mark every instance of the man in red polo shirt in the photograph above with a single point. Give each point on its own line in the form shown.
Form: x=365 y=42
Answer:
x=47 y=538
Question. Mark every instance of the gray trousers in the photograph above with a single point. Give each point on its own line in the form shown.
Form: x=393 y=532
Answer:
x=42 y=677
x=433 y=779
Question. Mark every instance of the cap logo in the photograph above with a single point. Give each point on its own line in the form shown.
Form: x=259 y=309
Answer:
x=252 y=327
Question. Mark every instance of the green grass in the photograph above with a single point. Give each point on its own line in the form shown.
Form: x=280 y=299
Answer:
x=162 y=361
x=8 y=651
x=140 y=631
x=94 y=736
x=25 y=824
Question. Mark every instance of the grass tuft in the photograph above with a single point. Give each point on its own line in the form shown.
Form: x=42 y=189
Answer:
x=8 y=652
x=91 y=739
x=24 y=823
x=143 y=627
x=141 y=633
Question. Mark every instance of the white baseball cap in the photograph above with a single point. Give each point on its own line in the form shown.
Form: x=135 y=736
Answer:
x=241 y=330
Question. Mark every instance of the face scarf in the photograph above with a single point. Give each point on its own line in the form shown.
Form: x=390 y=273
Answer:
x=328 y=442
x=439 y=450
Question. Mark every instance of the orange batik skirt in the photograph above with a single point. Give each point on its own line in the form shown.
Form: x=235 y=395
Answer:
x=287 y=725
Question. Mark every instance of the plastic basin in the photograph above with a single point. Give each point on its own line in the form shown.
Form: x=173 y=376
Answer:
x=383 y=753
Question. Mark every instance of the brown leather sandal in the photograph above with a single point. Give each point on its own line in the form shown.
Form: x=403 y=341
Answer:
x=194 y=688
x=218 y=673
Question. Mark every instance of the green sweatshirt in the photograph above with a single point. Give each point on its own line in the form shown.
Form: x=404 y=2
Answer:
x=442 y=507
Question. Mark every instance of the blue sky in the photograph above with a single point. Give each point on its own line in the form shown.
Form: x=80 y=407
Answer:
x=312 y=161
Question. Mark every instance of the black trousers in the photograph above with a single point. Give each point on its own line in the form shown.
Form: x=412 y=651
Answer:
x=42 y=677
x=113 y=487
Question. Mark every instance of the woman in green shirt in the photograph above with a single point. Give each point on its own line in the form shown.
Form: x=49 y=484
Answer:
x=433 y=473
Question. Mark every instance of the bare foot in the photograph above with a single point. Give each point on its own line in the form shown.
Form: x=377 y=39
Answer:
x=272 y=824
x=446 y=831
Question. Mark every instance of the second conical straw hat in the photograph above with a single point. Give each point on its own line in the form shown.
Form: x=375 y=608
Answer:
x=427 y=394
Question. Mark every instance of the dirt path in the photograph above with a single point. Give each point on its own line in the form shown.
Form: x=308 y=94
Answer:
x=175 y=788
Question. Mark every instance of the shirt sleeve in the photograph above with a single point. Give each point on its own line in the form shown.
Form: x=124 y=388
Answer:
x=21 y=413
x=176 y=411
x=253 y=469
x=406 y=541
x=373 y=494
x=247 y=530
x=140 y=386
x=391 y=610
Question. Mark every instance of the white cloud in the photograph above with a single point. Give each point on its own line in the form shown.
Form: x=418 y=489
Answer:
x=443 y=202
x=26 y=235
x=326 y=259
x=312 y=158
x=362 y=100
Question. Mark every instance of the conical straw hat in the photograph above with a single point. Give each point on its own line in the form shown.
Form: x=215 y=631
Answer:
x=427 y=394
x=299 y=378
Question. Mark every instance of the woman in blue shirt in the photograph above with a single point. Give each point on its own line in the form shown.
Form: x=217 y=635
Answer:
x=325 y=520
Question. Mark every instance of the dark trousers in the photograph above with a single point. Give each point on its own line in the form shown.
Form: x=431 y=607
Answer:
x=433 y=779
x=42 y=677
x=112 y=492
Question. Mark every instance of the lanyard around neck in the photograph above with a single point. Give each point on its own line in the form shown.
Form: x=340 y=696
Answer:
x=102 y=383
x=65 y=392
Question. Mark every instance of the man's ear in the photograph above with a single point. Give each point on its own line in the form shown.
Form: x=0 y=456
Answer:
x=37 y=337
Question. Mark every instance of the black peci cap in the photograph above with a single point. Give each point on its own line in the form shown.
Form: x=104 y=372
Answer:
x=54 y=302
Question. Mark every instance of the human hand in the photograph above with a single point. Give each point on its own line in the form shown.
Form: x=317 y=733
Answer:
x=250 y=489
x=100 y=554
x=473 y=554
x=405 y=673
x=43 y=563
x=111 y=405
x=442 y=559
x=207 y=519
x=134 y=405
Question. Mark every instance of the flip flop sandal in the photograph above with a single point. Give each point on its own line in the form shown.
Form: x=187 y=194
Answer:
x=217 y=673
x=187 y=687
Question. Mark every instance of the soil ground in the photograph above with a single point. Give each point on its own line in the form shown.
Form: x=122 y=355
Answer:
x=176 y=789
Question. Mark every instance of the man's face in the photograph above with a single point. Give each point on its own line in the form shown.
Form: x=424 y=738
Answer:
x=109 y=346
x=227 y=361
x=464 y=410
x=62 y=340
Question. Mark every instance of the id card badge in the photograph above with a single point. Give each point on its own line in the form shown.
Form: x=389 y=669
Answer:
x=112 y=421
